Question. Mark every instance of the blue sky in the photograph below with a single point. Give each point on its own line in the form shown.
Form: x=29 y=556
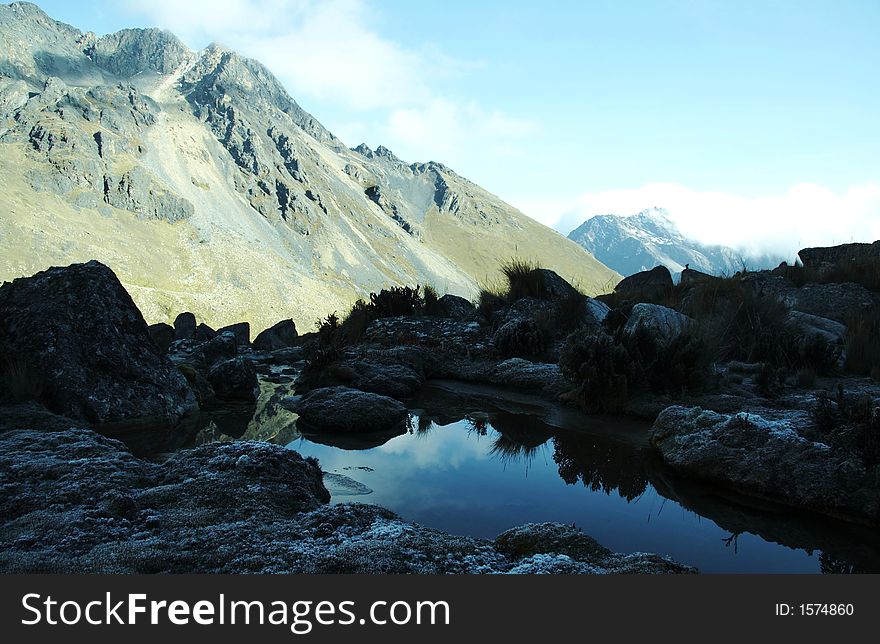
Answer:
x=765 y=113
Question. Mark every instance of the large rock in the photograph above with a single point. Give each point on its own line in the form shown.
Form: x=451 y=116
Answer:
x=553 y=287
x=235 y=379
x=185 y=326
x=842 y=254
x=280 y=336
x=76 y=502
x=650 y=286
x=242 y=331
x=596 y=310
x=394 y=379
x=838 y=302
x=663 y=323
x=77 y=332
x=769 y=459
x=163 y=335
x=455 y=307
x=341 y=409
x=830 y=330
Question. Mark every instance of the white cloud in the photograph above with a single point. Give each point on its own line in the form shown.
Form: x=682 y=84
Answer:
x=327 y=50
x=441 y=130
x=804 y=215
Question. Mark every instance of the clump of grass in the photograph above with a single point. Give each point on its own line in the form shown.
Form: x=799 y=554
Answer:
x=862 y=344
x=431 y=301
x=523 y=279
x=490 y=301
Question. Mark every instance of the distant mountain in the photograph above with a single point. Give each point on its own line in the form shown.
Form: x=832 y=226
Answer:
x=650 y=238
x=206 y=187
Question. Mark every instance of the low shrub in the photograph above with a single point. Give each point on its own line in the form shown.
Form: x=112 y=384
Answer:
x=396 y=301
x=523 y=338
x=601 y=367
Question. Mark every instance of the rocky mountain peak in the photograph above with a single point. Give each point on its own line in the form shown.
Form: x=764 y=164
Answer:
x=132 y=51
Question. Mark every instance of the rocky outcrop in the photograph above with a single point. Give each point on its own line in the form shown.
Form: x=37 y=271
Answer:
x=280 y=336
x=664 y=324
x=838 y=255
x=77 y=332
x=76 y=502
x=341 y=409
x=768 y=458
x=829 y=330
x=646 y=286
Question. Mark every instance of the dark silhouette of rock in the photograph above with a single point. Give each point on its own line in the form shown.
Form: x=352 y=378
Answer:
x=837 y=255
x=455 y=307
x=646 y=286
x=691 y=277
x=341 y=409
x=80 y=334
x=185 y=326
x=280 y=336
x=553 y=287
x=204 y=333
x=235 y=379
x=163 y=335
x=242 y=331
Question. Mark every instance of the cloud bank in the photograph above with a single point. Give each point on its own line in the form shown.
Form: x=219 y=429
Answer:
x=804 y=215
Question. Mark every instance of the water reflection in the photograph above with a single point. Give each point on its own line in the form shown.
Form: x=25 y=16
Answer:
x=601 y=464
x=475 y=466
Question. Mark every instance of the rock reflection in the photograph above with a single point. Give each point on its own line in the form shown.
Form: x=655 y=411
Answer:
x=844 y=548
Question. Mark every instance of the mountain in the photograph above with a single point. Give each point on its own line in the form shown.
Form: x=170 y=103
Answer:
x=207 y=188
x=650 y=238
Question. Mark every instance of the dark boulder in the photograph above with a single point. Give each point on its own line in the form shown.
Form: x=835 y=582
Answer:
x=204 y=333
x=552 y=286
x=204 y=354
x=839 y=255
x=646 y=286
x=78 y=332
x=235 y=379
x=242 y=331
x=455 y=307
x=163 y=335
x=185 y=326
x=691 y=277
x=341 y=409
x=280 y=336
